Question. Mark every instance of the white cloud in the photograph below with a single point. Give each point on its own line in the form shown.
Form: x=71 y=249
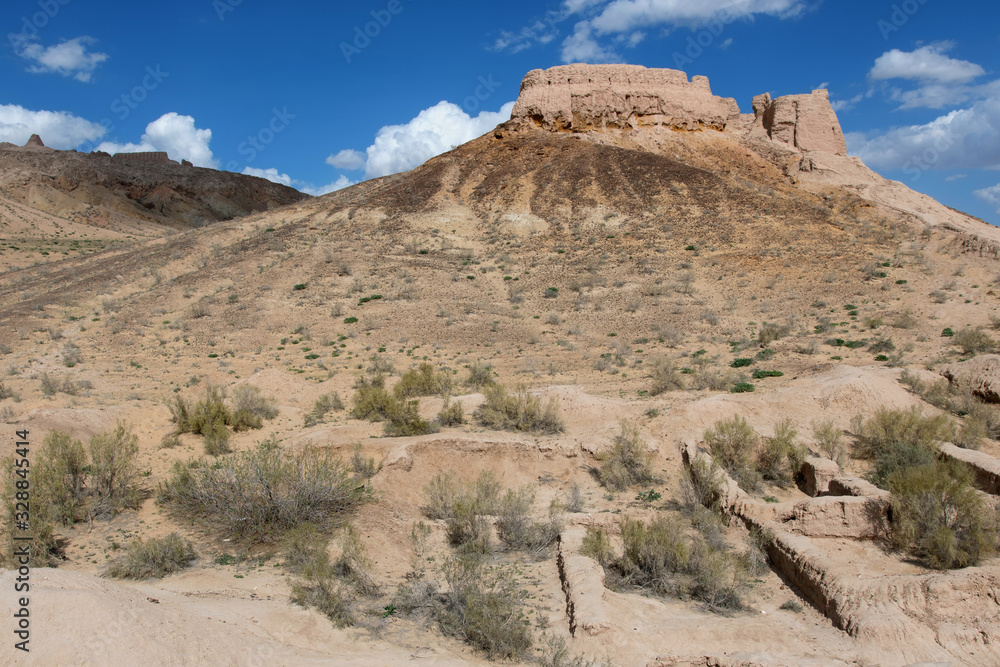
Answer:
x=433 y=131
x=990 y=195
x=582 y=47
x=926 y=64
x=174 y=134
x=339 y=184
x=347 y=159
x=845 y=105
x=271 y=174
x=955 y=177
x=962 y=139
x=625 y=15
x=58 y=129
x=69 y=58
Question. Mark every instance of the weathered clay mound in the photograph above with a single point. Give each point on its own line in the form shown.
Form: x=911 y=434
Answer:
x=980 y=374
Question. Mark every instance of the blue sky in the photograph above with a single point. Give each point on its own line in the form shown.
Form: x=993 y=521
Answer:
x=299 y=92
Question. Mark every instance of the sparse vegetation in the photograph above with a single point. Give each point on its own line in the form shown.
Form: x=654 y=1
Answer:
x=628 y=462
x=666 y=377
x=324 y=405
x=899 y=439
x=518 y=412
x=422 y=381
x=258 y=494
x=153 y=558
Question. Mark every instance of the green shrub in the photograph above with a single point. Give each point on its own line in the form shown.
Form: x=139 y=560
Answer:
x=734 y=444
x=113 y=471
x=60 y=473
x=973 y=340
x=422 y=381
x=440 y=493
x=772 y=332
x=324 y=405
x=629 y=461
x=703 y=485
x=896 y=439
x=480 y=375
x=483 y=607
x=170 y=441
x=327 y=596
x=938 y=516
x=248 y=400
x=780 y=457
x=666 y=377
x=216 y=439
x=830 y=440
x=742 y=388
x=153 y=558
x=518 y=530
x=520 y=412
x=363 y=467
x=741 y=362
x=662 y=558
x=371 y=400
x=451 y=413
x=761 y=374
x=403 y=419
x=597 y=545
x=259 y=494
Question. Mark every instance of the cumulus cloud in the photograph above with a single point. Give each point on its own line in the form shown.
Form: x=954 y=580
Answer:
x=928 y=63
x=58 y=129
x=582 y=47
x=347 y=159
x=962 y=139
x=990 y=195
x=69 y=58
x=271 y=174
x=619 y=21
x=175 y=134
x=339 y=184
x=433 y=131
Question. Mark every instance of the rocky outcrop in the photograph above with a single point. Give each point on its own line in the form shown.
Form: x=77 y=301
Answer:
x=160 y=157
x=817 y=473
x=980 y=374
x=588 y=97
x=35 y=140
x=985 y=468
x=803 y=122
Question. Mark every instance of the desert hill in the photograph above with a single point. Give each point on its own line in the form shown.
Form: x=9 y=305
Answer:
x=56 y=203
x=628 y=245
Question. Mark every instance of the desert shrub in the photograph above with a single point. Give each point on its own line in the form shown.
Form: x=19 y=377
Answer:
x=741 y=362
x=574 y=501
x=113 y=471
x=327 y=596
x=480 y=375
x=71 y=355
x=791 y=605
x=734 y=444
x=973 y=340
x=780 y=456
x=703 y=485
x=555 y=653
x=666 y=377
x=402 y=418
x=938 y=516
x=761 y=374
x=247 y=399
x=628 y=462
x=830 y=440
x=483 y=607
x=451 y=413
x=771 y=332
x=468 y=529
x=170 y=441
x=258 y=494
x=45 y=549
x=371 y=399
x=322 y=407
x=215 y=437
x=60 y=473
x=519 y=412
x=896 y=439
x=379 y=365
x=662 y=558
x=422 y=381
x=597 y=545
x=518 y=530
x=363 y=467
x=440 y=494
x=153 y=558
x=52 y=385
